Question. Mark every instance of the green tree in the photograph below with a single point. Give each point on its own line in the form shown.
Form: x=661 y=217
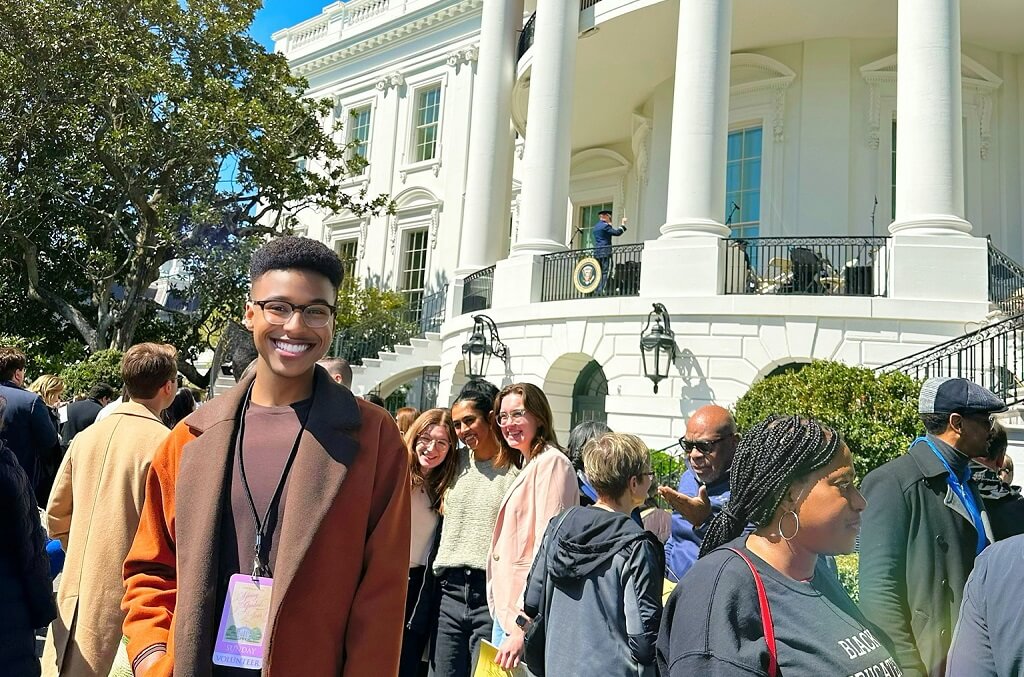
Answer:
x=135 y=133
x=103 y=366
x=875 y=413
x=370 y=319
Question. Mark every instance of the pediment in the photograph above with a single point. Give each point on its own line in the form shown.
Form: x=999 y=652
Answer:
x=595 y=161
x=752 y=72
x=973 y=73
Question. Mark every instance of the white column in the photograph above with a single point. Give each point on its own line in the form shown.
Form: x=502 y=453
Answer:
x=545 y=193
x=929 y=125
x=700 y=120
x=489 y=169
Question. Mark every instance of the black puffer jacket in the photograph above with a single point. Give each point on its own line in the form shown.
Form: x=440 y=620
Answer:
x=26 y=591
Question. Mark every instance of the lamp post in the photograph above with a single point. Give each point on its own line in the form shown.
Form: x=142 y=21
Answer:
x=477 y=351
x=657 y=345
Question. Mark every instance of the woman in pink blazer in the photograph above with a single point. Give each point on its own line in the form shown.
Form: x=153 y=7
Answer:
x=545 y=487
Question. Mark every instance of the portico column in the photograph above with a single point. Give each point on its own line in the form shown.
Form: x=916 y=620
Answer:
x=545 y=193
x=700 y=120
x=929 y=125
x=489 y=169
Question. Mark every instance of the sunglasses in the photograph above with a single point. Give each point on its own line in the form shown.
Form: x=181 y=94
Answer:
x=703 y=446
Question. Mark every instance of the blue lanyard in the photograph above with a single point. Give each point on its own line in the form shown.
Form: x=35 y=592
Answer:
x=963 y=491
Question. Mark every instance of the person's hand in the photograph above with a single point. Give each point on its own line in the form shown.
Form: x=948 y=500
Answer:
x=696 y=509
x=511 y=650
x=624 y=222
x=148 y=662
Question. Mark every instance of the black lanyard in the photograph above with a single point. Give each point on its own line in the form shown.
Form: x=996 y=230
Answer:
x=258 y=563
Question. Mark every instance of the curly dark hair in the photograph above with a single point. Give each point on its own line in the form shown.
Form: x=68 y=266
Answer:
x=297 y=253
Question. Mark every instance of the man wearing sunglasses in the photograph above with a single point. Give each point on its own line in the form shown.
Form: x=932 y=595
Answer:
x=709 y=444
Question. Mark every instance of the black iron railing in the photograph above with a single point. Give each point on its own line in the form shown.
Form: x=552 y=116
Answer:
x=819 y=266
x=608 y=271
x=1005 y=281
x=477 y=289
x=586 y=4
x=356 y=349
x=430 y=313
x=992 y=357
x=526 y=37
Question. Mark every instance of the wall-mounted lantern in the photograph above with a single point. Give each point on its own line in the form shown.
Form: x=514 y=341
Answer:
x=657 y=345
x=477 y=351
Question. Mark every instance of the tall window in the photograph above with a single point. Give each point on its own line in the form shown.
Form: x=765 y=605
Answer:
x=359 y=133
x=588 y=217
x=347 y=251
x=428 y=114
x=414 y=272
x=743 y=182
x=892 y=188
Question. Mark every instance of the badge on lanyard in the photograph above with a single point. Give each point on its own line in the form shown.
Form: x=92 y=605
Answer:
x=243 y=623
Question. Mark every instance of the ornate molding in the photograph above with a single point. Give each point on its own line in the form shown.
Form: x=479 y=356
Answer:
x=520 y=147
x=393 y=233
x=435 y=223
x=393 y=79
x=641 y=146
x=985 y=122
x=759 y=73
x=464 y=55
x=364 y=228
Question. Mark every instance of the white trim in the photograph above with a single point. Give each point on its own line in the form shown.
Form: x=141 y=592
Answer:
x=414 y=87
x=777 y=77
x=344 y=110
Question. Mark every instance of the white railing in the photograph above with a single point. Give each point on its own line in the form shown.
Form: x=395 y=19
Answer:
x=336 y=19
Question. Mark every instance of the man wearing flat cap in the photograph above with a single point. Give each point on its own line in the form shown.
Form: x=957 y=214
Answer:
x=925 y=524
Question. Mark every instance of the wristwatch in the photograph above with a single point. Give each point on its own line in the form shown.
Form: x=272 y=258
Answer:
x=522 y=621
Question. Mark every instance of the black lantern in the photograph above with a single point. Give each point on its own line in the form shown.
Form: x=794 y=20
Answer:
x=657 y=345
x=477 y=351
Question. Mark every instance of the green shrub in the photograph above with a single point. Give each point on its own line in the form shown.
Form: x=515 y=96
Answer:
x=102 y=366
x=875 y=413
x=847 y=565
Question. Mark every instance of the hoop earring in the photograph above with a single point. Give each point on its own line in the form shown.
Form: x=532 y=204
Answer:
x=797 y=531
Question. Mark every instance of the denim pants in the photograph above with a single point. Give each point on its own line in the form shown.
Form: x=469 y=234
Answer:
x=464 y=620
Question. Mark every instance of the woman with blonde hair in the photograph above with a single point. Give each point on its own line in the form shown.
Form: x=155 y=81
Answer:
x=432 y=465
x=545 y=487
x=49 y=388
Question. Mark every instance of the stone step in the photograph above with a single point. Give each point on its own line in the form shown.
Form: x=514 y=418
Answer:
x=371 y=363
x=419 y=342
x=404 y=350
x=387 y=357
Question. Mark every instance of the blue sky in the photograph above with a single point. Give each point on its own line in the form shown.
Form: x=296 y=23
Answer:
x=278 y=14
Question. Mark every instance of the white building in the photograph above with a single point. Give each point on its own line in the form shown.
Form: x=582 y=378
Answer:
x=776 y=208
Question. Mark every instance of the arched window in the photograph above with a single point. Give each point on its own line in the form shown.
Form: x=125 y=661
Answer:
x=588 y=395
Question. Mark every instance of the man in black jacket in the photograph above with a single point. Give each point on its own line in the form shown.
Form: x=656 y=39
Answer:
x=82 y=414
x=924 y=525
x=28 y=429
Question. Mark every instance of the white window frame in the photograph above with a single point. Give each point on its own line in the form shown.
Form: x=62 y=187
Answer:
x=415 y=88
x=349 y=129
x=738 y=127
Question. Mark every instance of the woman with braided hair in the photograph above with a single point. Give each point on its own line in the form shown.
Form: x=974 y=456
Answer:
x=767 y=604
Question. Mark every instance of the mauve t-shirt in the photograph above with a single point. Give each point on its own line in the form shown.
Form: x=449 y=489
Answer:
x=270 y=434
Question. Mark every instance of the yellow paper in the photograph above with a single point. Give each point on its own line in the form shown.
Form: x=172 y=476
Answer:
x=666 y=590
x=486 y=667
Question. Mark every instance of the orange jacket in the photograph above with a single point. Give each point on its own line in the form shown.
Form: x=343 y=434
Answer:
x=341 y=571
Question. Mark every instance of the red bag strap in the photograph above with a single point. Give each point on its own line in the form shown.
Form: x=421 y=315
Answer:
x=766 y=616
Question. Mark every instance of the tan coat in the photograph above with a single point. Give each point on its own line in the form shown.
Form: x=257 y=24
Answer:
x=94 y=511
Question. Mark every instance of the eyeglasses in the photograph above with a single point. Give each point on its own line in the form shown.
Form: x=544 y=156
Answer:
x=430 y=443
x=703 y=446
x=514 y=416
x=314 y=315
x=649 y=473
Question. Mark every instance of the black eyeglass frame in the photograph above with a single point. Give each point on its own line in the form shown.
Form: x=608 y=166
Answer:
x=296 y=308
x=703 y=446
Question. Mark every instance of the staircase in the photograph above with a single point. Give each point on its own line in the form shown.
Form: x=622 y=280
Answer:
x=391 y=369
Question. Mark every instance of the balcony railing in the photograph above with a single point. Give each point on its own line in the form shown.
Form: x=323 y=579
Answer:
x=429 y=314
x=526 y=37
x=992 y=357
x=477 y=289
x=1005 y=281
x=612 y=271
x=816 y=266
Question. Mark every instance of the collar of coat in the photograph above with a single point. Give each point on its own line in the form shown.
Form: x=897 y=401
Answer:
x=132 y=408
x=328 y=448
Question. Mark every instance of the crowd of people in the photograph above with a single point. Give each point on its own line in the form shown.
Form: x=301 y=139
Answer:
x=265 y=531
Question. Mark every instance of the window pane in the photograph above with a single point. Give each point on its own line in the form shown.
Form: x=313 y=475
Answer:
x=751 y=175
x=752 y=142
x=735 y=146
x=751 y=206
x=733 y=172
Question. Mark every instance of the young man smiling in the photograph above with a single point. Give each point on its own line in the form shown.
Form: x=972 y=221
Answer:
x=273 y=514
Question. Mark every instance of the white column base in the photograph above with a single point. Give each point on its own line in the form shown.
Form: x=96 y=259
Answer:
x=453 y=301
x=943 y=225
x=693 y=227
x=938 y=267
x=682 y=266
x=517 y=281
x=536 y=246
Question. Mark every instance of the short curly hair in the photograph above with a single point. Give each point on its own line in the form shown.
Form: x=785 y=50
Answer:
x=296 y=253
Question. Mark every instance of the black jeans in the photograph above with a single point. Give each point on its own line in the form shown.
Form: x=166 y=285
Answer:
x=413 y=643
x=463 y=622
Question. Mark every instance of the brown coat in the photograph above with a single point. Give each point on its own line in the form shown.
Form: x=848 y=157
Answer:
x=342 y=564
x=94 y=511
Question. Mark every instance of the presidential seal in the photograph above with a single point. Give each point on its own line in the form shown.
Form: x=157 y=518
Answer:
x=586 y=276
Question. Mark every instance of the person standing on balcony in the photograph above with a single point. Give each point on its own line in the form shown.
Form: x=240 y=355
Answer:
x=924 y=525
x=604 y=231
